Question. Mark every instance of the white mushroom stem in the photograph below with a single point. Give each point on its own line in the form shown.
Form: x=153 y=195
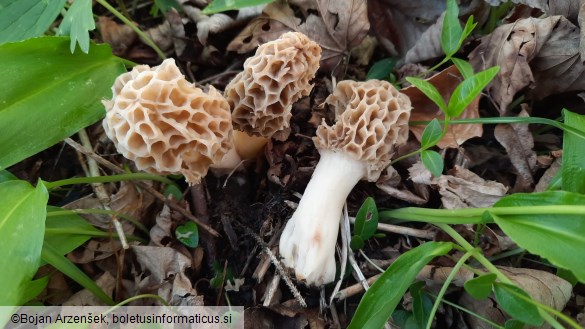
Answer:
x=308 y=240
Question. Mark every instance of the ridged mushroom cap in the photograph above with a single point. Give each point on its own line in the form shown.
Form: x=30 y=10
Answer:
x=165 y=124
x=371 y=120
x=273 y=79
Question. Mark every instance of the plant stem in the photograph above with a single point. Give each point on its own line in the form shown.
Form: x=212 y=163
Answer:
x=100 y=212
x=446 y=284
x=134 y=28
x=108 y=179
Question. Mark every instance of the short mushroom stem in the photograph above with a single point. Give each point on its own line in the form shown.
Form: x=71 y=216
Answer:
x=308 y=240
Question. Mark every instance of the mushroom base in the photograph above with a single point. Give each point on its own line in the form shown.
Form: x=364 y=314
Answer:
x=308 y=240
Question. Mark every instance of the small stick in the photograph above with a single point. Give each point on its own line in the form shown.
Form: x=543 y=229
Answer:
x=272 y=287
x=423 y=234
x=171 y=203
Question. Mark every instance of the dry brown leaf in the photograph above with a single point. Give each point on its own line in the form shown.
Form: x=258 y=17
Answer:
x=391 y=183
x=337 y=26
x=518 y=142
x=567 y=8
x=132 y=202
x=87 y=298
x=428 y=46
x=119 y=36
x=160 y=233
x=542 y=54
x=462 y=188
x=423 y=109
x=166 y=268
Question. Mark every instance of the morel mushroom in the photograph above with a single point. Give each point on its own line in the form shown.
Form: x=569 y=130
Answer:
x=262 y=95
x=372 y=119
x=165 y=124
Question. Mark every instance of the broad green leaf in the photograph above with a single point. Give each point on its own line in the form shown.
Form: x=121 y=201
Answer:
x=217 y=6
x=567 y=275
x=77 y=23
x=51 y=255
x=452 y=31
x=22 y=226
x=23 y=19
x=188 y=234
x=557 y=237
x=480 y=287
x=381 y=69
x=366 y=219
x=432 y=134
x=429 y=90
x=468 y=90
x=464 y=67
x=379 y=302
x=48 y=94
x=34 y=288
x=422 y=304
x=514 y=324
x=508 y=297
x=573 y=169
x=68 y=231
x=6 y=175
x=433 y=162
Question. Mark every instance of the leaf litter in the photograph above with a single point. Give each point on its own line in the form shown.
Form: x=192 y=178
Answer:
x=539 y=57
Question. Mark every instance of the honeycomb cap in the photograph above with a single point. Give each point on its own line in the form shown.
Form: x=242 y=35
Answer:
x=371 y=120
x=262 y=95
x=165 y=124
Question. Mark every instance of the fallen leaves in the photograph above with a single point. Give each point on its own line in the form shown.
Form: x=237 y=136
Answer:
x=337 y=26
x=540 y=54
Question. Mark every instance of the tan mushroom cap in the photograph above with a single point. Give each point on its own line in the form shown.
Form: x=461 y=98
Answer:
x=273 y=79
x=165 y=124
x=371 y=120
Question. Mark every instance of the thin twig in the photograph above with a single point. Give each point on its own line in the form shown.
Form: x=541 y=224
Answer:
x=171 y=203
x=423 y=234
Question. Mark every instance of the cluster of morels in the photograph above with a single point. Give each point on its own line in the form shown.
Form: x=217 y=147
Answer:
x=167 y=125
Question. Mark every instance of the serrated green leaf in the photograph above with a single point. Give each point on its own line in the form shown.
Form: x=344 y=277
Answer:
x=23 y=19
x=480 y=287
x=188 y=234
x=22 y=227
x=217 y=6
x=464 y=67
x=573 y=168
x=366 y=219
x=381 y=69
x=509 y=299
x=559 y=238
x=65 y=96
x=433 y=162
x=468 y=90
x=379 y=302
x=452 y=32
x=77 y=23
x=431 y=134
x=429 y=90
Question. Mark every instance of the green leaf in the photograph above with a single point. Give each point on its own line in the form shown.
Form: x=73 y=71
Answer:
x=469 y=27
x=51 y=255
x=469 y=89
x=429 y=90
x=381 y=69
x=573 y=169
x=34 y=288
x=77 y=23
x=48 y=94
x=6 y=175
x=23 y=19
x=433 y=162
x=22 y=226
x=452 y=31
x=480 y=287
x=557 y=237
x=356 y=243
x=68 y=231
x=464 y=67
x=422 y=304
x=165 y=6
x=174 y=191
x=514 y=324
x=509 y=299
x=188 y=234
x=217 y=6
x=366 y=219
x=567 y=275
x=379 y=302
x=432 y=134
